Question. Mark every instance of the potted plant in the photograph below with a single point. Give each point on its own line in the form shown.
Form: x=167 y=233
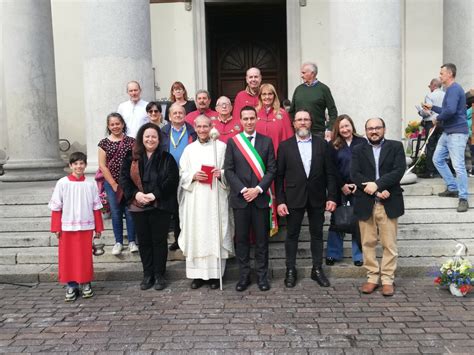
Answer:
x=457 y=275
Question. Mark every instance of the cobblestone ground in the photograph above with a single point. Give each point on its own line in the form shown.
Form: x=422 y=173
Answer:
x=307 y=319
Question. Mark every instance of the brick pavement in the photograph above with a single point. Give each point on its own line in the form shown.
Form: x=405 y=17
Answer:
x=307 y=319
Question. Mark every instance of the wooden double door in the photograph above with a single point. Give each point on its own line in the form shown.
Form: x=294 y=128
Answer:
x=240 y=36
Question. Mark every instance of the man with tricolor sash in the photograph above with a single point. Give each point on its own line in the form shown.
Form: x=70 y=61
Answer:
x=250 y=168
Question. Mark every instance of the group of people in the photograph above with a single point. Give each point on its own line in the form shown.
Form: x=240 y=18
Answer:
x=226 y=177
x=447 y=115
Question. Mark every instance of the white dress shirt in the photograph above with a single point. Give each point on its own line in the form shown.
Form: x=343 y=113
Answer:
x=134 y=115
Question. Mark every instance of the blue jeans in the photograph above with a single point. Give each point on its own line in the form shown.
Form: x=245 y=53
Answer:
x=452 y=146
x=117 y=210
x=334 y=248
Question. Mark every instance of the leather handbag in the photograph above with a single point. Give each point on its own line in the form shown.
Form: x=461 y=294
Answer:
x=344 y=219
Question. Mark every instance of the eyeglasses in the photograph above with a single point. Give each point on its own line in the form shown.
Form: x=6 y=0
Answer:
x=153 y=111
x=224 y=105
x=372 y=129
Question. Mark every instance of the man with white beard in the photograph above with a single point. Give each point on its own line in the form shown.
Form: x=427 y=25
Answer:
x=305 y=181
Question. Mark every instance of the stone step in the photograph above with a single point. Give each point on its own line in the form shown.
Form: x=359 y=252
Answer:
x=411 y=202
x=419 y=231
x=406 y=248
x=132 y=271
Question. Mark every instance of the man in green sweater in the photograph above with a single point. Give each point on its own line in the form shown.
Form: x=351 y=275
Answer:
x=315 y=97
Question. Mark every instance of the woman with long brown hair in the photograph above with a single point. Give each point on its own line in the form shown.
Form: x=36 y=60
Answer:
x=344 y=139
x=178 y=94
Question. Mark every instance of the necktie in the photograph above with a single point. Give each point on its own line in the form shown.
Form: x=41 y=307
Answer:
x=250 y=138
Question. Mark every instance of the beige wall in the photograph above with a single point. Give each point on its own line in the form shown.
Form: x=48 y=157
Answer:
x=172 y=47
x=173 y=53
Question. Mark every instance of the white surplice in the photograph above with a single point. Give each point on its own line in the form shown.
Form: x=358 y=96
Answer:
x=198 y=214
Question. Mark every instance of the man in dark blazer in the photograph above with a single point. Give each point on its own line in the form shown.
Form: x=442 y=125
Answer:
x=377 y=168
x=249 y=196
x=306 y=181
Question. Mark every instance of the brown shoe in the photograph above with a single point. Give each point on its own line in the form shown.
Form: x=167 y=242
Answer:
x=369 y=287
x=388 y=290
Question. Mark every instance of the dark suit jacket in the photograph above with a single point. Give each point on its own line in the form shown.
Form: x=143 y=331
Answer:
x=293 y=187
x=239 y=174
x=392 y=165
x=165 y=136
x=164 y=178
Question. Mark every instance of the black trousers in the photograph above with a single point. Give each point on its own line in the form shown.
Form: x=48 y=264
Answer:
x=259 y=220
x=152 y=232
x=316 y=221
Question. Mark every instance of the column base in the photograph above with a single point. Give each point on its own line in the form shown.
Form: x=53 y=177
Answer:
x=33 y=170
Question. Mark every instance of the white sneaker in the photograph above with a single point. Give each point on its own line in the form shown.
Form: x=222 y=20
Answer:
x=132 y=247
x=87 y=291
x=117 y=249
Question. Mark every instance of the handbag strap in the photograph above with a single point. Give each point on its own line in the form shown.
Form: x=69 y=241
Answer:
x=135 y=175
x=117 y=151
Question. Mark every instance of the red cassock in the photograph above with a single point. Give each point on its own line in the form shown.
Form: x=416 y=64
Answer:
x=227 y=129
x=242 y=99
x=190 y=117
x=276 y=126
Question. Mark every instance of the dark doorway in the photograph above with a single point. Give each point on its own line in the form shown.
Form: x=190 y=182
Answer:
x=240 y=36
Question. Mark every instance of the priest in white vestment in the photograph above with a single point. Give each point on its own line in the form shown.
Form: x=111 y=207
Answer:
x=198 y=212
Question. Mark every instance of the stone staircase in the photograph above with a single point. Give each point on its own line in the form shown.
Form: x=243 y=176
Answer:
x=428 y=233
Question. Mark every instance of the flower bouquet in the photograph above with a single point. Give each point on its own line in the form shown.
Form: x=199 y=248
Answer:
x=457 y=274
x=105 y=204
x=414 y=129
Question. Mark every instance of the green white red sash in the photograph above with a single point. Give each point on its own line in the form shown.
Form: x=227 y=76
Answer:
x=258 y=167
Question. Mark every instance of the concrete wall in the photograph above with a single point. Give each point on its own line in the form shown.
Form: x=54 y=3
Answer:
x=173 y=53
x=172 y=47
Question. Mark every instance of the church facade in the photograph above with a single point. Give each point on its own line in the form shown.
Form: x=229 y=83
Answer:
x=65 y=63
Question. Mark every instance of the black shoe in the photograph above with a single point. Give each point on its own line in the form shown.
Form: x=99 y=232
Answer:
x=317 y=275
x=214 y=284
x=197 y=283
x=148 y=282
x=447 y=193
x=330 y=261
x=463 y=205
x=160 y=283
x=263 y=285
x=290 y=278
x=358 y=263
x=174 y=246
x=242 y=284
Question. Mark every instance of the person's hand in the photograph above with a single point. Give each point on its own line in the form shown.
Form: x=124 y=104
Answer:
x=141 y=198
x=328 y=136
x=58 y=234
x=330 y=206
x=427 y=106
x=251 y=194
x=98 y=235
x=114 y=187
x=282 y=210
x=216 y=173
x=370 y=187
x=200 y=176
x=348 y=189
x=383 y=195
x=150 y=197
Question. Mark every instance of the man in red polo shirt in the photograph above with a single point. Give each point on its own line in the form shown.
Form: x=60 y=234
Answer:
x=225 y=123
x=203 y=100
x=249 y=96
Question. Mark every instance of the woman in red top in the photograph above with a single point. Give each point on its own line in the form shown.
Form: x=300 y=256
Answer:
x=272 y=120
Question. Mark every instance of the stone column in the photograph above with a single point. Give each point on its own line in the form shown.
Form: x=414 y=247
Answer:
x=30 y=92
x=365 y=59
x=458 y=43
x=117 y=50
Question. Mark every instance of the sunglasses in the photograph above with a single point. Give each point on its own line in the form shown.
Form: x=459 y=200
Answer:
x=153 y=111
